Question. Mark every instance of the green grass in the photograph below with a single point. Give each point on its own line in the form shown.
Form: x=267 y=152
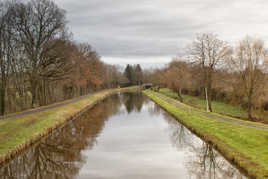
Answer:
x=247 y=147
x=16 y=133
x=218 y=107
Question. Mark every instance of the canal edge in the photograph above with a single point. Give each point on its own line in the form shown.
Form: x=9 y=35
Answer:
x=19 y=149
x=233 y=156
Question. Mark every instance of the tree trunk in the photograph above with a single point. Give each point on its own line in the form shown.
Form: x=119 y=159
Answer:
x=50 y=96
x=179 y=95
x=44 y=90
x=3 y=86
x=209 y=90
x=250 y=105
x=209 y=99
x=34 y=93
x=3 y=91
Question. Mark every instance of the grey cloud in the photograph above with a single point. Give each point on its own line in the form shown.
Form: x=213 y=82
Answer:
x=150 y=28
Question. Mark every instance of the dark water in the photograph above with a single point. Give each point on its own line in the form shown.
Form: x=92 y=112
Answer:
x=125 y=137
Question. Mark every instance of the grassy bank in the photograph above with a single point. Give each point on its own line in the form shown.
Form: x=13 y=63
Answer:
x=247 y=147
x=18 y=133
x=218 y=107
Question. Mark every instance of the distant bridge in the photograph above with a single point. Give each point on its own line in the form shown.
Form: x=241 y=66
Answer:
x=147 y=86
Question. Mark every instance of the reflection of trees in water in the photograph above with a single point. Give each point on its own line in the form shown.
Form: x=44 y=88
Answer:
x=133 y=101
x=179 y=135
x=208 y=163
x=202 y=161
x=59 y=156
x=154 y=109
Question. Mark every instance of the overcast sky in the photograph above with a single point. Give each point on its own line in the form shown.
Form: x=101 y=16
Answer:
x=154 y=31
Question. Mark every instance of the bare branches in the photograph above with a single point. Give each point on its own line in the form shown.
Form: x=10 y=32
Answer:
x=38 y=24
x=7 y=47
x=249 y=62
x=38 y=58
x=237 y=75
x=209 y=53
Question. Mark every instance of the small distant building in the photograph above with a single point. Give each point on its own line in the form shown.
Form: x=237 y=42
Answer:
x=147 y=86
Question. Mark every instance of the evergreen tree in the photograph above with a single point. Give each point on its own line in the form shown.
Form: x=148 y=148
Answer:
x=133 y=74
x=128 y=73
x=138 y=74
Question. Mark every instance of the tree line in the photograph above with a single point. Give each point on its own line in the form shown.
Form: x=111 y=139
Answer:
x=40 y=63
x=212 y=67
x=133 y=74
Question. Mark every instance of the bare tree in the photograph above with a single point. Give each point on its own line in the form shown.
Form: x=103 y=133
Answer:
x=38 y=23
x=86 y=50
x=178 y=76
x=249 y=60
x=39 y=64
x=209 y=52
x=6 y=50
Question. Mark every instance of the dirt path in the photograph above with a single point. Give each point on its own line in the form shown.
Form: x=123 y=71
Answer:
x=44 y=108
x=213 y=116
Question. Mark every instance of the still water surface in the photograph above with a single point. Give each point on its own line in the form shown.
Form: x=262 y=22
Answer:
x=125 y=137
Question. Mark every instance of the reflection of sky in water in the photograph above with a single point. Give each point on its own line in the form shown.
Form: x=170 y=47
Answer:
x=126 y=137
x=137 y=145
x=134 y=145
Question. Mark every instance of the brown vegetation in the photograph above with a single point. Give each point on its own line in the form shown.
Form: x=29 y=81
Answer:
x=39 y=62
x=236 y=75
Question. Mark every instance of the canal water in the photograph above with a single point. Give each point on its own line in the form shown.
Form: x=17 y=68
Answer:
x=125 y=137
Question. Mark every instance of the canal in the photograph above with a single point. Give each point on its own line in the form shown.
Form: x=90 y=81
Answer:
x=127 y=136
